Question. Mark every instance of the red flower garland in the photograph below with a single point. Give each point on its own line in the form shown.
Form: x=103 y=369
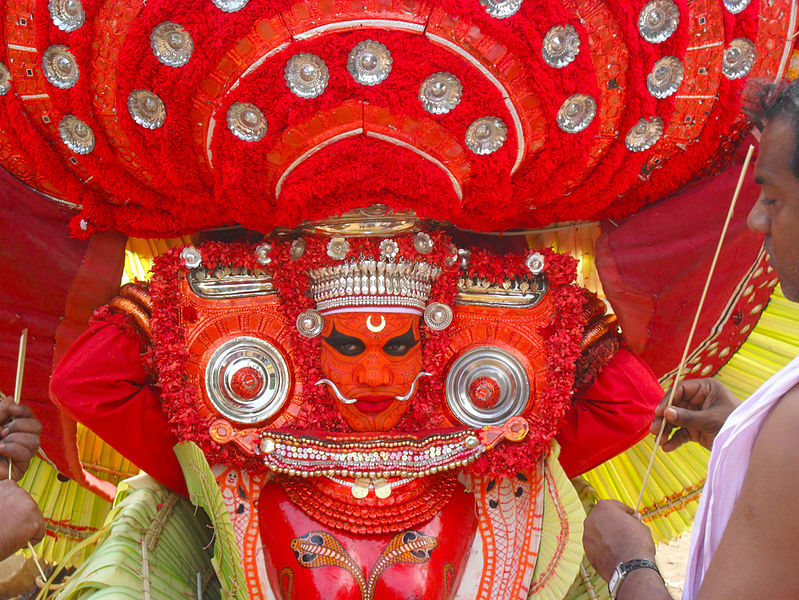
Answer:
x=562 y=342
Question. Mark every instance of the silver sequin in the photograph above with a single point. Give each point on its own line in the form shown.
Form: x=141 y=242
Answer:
x=146 y=108
x=192 y=257
x=369 y=62
x=262 y=252
x=739 y=58
x=76 y=134
x=486 y=135
x=658 y=20
x=297 y=249
x=437 y=316
x=230 y=5
x=306 y=75
x=535 y=262
x=67 y=15
x=60 y=67
x=576 y=113
x=310 y=323
x=388 y=250
x=735 y=6
x=5 y=80
x=246 y=121
x=561 y=46
x=337 y=248
x=440 y=93
x=171 y=44
x=423 y=243
x=644 y=134
x=665 y=77
x=501 y=9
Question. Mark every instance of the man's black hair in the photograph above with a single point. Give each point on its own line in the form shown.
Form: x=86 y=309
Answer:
x=766 y=100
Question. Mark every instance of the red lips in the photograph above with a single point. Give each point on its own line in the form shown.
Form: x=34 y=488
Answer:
x=373 y=403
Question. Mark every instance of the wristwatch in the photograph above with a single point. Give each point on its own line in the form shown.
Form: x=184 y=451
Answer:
x=625 y=568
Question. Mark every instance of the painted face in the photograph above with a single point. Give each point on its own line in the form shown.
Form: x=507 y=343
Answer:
x=371 y=358
x=776 y=212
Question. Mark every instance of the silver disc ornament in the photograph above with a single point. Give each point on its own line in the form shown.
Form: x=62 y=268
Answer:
x=501 y=9
x=576 y=113
x=146 y=108
x=644 y=134
x=560 y=46
x=310 y=323
x=230 y=5
x=246 y=121
x=369 y=62
x=67 y=15
x=60 y=67
x=306 y=75
x=171 y=44
x=5 y=80
x=247 y=380
x=486 y=135
x=665 y=77
x=738 y=59
x=440 y=93
x=437 y=316
x=487 y=386
x=658 y=20
x=76 y=134
x=735 y=6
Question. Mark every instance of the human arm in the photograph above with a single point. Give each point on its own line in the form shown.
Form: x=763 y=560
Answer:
x=22 y=519
x=699 y=410
x=759 y=549
x=19 y=437
x=612 y=535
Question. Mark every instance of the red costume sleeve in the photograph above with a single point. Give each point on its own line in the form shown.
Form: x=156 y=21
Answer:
x=612 y=415
x=101 y=382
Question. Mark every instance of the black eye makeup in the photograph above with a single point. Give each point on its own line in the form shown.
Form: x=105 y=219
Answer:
x=401 y=344
x=344 y=344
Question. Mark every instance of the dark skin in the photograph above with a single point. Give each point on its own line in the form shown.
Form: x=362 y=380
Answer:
x=19 y=439
x=758 y=552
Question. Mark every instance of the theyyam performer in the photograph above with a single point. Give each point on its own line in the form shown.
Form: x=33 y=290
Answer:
x=354 y=370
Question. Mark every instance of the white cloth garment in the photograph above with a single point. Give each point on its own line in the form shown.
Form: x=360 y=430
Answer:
x=729 y=462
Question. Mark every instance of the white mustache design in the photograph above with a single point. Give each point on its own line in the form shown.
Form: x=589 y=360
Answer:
x=342 y=398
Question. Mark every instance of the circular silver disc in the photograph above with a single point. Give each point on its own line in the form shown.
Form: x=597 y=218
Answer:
x=247 y=379
x=146 y=108
x=310 y=323
x=486 y=135
x=246 y=121
x=60 y=67
x=665 y=77
x=437 y=316
x=76 y=134
x=369 y=62
x=501 y=9
x=67 y=15
x=658 y=20
x=576 y=113
x=487 y=386
x=230 y=5
x=297 y=249
x=306 y=75
x=192 y=257
x=171 y=44
x=5 y=80
x=535 y=262
x=739 y=58
x=560 y=46
x=440 y=93
x=337 y=248
x=423 y=243
x=735 y=6
x=644 y=134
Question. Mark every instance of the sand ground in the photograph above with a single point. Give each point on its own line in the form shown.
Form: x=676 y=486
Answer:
x=672 y=559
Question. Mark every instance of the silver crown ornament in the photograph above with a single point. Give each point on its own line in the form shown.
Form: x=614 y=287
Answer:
x=486 y=135
x=60 y=67
x=644 y=134
x=658 y=20
x=76 y=134
x=306 y=75
x=738 y=59
x=665 y=77
x=576 y=113
x=147 y=109
x=440 y=93
x=560 y=46
x=369 y=62
x=246 y=121
x=67 y=15
x=171 y=44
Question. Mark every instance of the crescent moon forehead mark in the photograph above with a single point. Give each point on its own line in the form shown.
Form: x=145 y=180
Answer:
x=376 y=328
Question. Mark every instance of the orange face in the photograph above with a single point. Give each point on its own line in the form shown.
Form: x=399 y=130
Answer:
x=371 y=358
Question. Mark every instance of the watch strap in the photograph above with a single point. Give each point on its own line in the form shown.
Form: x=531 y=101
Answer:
x=625 y=568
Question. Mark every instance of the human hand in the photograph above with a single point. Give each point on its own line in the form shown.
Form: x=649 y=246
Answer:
x=19 y=437
x=22 y=520
x=699 y=410
x=613 y=534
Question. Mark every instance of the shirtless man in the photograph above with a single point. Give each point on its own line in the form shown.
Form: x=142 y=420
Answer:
x=746 y=538
x=22 y=520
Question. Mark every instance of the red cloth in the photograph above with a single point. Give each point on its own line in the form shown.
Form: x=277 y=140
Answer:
x=101 y=382
x=612 y=415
